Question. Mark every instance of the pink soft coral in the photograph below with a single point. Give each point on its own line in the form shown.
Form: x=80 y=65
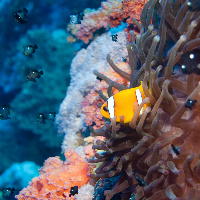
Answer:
x=56 y=179
x=91 y=140
x=111 y=13
x=89 y=104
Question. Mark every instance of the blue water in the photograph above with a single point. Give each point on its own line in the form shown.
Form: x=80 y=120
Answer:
x=21 y=137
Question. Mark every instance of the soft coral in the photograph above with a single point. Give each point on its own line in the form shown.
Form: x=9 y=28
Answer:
x=56 y=178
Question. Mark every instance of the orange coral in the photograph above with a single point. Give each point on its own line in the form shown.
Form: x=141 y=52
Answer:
x=112 y=13
x=132 y=9
x=89 y=152
x=56 y=179
x=90 y=102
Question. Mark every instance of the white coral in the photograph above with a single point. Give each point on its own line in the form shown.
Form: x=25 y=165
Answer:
x=70 y=119
x=85 y=193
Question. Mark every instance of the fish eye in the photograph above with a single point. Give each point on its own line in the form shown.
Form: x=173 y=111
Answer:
x=105 y=108
x=189 y=3
x=191 y=56
x=183 y=66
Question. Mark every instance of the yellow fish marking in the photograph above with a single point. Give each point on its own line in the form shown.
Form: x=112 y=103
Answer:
x=124 y=103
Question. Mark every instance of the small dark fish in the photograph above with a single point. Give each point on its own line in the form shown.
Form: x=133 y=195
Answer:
x=51 y=116
x=176 y=150
x=93 y=124
x=191 y=62
x=132 y=197
x=8 y=192
x=114 y=37
x=20 y=15
x=140 y=181
x=124 y=59
x=193 y=5
x=29 y=49
x=4 y=112
x=41 y=119
x=190 y=103
x=73 y=191
x=98 y=78
x=80 y=17
x=33 y=74
x=76 y=18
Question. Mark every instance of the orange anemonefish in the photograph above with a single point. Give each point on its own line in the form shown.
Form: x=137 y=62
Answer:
x=124 y=103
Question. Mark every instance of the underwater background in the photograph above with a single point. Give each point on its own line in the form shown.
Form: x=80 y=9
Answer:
x=24 y=143
x=100 y=100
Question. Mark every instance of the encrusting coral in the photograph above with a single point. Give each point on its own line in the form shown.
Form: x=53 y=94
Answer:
x=56 y=178
x=92 y=100
x=70 y=119
x=111 y=13
x=156 y=155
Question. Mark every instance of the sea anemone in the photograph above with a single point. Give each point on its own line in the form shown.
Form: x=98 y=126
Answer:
x=156 y=155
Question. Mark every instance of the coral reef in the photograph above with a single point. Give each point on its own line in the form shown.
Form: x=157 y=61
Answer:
x=70 y=119
x=85 y=193
x=49 y=16
x=111 y=14
x=90 y=103
x=157 y=153
x=56 y=179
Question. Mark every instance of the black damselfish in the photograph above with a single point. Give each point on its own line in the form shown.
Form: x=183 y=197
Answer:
x=4 y=112
x=41 y=119
x=190 y=103
x=8 y=192
x=20 y=15
x=191 y=62
x=33 y=74
x=73 y=191
x=193 y=5
x=29 y=50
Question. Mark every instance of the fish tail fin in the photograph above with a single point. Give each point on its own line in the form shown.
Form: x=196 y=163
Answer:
x=35 y=46
x=41 y=72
